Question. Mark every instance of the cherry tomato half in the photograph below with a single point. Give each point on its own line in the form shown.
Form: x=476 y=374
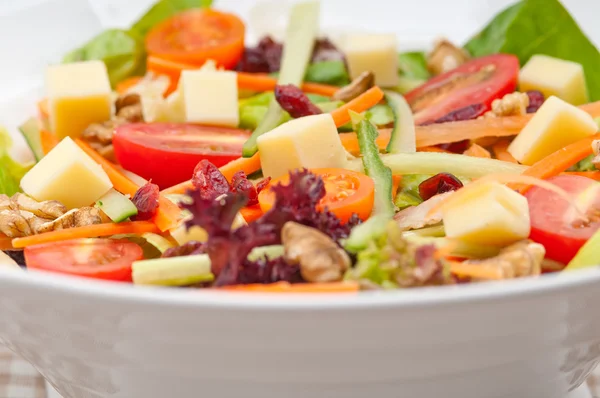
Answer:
x=479 y=81
x=346 y=192
x=167 y=153
x=196 y=36
x=107 y=259
x=554 y=222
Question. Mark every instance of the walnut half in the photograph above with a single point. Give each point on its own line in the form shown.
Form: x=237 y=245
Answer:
x=520 y=259
x=320 y=258
x=445 y=57
x=362 y=83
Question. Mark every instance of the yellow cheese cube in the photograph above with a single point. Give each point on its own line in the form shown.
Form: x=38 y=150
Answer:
x=555 y=125
x=553 y=76
x=67 y=174
x=491 y=214
x=79 y=94
x=377 y=53
x=210 y=97
x=311 y=141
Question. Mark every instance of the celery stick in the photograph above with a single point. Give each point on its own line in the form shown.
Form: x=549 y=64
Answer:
x=297 y=51
x=433 y=163
x=402 y=139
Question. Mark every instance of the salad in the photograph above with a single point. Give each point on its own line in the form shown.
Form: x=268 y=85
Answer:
x=174 y=154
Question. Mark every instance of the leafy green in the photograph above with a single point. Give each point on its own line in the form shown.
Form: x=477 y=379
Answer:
x=584 y=165
x=539 y=27
x=11 y=171
x=163 y=10
x=413 y=65
x=327 y=72
x=380 y=115
x=406 y=199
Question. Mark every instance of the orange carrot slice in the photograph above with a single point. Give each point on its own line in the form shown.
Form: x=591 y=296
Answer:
x=251 y=213
x=285 y=287
x=500 y=150
x=366 y=100
x=396 y=180
x=262 y=82
x=168 y=214
x=477 y=151
x=89 y=231
x=5 y=242
x=48 y=140
x=126 y=84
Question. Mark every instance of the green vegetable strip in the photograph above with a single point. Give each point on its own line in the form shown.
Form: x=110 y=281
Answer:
x=297 y=50
x=403 y=137
x=432 y=163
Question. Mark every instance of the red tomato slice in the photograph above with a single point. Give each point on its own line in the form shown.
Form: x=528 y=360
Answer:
x=107 y=259
x=479 y=81
x=346 y=192
x=167 y=153
x=196 y=36
x=553 y=221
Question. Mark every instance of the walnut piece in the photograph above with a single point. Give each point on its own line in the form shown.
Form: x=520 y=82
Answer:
x=320 y=258
x=362 y=83
x=49 y=209
x=520 y=259
x=13 y=224
x=513 y=104
x=73 y=218
x=445 y=57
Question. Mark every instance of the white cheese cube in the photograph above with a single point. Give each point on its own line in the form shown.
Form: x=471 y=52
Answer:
x=491 y=214
x=553 y=76
x=377 y=53
x=79 y=94
x=67 y=174
x=555 y=125
x=311 y=142
x=210 y=97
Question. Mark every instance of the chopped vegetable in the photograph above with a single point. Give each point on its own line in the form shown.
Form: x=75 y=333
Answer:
x=333 y=73
x=413 y=65
x=360 y=104
x=173 y=271
x=11 y=171
x=116 y=206
x=402 y=139
x=31 y=132
x=500 y=150
x=258 y=82
x=300 y=37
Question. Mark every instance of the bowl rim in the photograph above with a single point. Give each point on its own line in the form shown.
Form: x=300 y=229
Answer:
x=463 y=294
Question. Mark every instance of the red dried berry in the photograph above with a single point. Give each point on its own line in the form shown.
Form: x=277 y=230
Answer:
x=146 y=201
x=294 y=101
x=253 y=61
x=263 y=184
x=439 y=183
x=209 y=180
x=536 y=100
x=325 y=50
x=469 y=112
x=455 y=147
x=241 y=184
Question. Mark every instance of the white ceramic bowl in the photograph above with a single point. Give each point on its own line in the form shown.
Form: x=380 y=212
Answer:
x=531 y=338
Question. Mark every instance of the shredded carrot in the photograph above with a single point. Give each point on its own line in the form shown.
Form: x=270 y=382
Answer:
x=126 y=84
x=251 y=213
x=285 y=287
x=5 y=242
x=433 y=149
x=43 y=111
x=479 y=271
x=48 y=140
x=247 y=165
x=445 y=133
x=168 y=214
x=559 y=161
x=396 y=180
x=262 y=82
x=485 y=142
x=500 y=150
x=594 y=175
x=366 y=100
x=477 y=151
x=89 y=231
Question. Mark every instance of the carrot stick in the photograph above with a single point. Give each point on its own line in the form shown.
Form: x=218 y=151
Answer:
x=89 y=231
x=168 y=213
x=477 y=151
x=433 y=149
x=366 y=100
x=262 y=82
x=500 y=150
x=247 y=165
x=559 y=161
x=5 y=242
x=285 y=287
x=594 y=175
x=251 y=213
x=396 y=180
x=126 y=84
x=48 y=140
x=475 y=271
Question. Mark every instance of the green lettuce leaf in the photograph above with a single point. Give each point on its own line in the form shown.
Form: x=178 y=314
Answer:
x=413 y=65
x=327 y=72
x=11 y=171
x=539 y=27
x=164 y=9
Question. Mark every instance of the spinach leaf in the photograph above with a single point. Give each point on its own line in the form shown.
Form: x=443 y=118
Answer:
x=122 y=52
x=163 y=10
x=11 y=171
x=413 y=65
x=328 y=72
x=539 y=27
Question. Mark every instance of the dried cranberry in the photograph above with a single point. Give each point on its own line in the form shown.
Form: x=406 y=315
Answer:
x=146 y=201
x=325 y=50
x=263 y=184
x=294 y=101
x=189 y=248
x=253 y=60
x=240 y=183
x=456 y=147
x=469 y=112
x=272 y=52
x=209 y=181
x=439 y=183
x=536 y=99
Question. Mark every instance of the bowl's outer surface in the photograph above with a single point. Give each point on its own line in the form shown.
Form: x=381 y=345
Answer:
x=530 y=339
x=527 y=339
